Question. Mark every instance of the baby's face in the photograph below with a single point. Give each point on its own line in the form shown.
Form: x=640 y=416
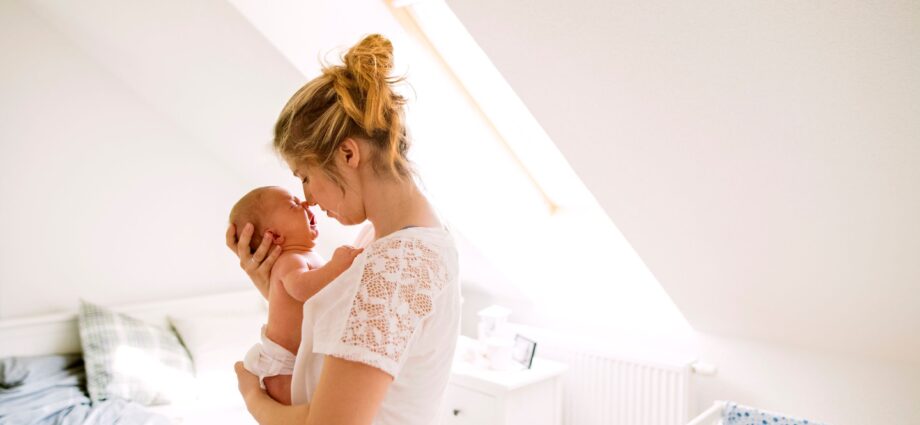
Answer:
x=290 y=216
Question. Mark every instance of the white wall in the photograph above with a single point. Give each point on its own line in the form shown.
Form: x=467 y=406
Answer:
x=104 y=198
x=166 y=111
x=118 y=168
x=761 y=157
x=216 y=73
x=822 y=386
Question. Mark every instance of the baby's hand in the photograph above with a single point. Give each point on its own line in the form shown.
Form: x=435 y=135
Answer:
x=344 y=256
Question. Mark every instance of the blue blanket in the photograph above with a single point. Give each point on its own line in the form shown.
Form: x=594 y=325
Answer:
x=736 y=414
x=51 y=390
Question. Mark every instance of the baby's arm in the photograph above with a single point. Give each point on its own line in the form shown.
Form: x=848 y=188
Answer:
x=302 y=283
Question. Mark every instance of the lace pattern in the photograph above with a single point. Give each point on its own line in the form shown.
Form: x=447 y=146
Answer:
x=400 y=278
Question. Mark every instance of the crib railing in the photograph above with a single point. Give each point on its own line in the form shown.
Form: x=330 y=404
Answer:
x=711 y=416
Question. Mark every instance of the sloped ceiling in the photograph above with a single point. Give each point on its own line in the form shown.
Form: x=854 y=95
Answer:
x=203 y=67
x=219 y=72
x=763 y=158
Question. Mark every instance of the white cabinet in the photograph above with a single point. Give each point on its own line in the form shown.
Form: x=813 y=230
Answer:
x=476 y=396
x=468 y=406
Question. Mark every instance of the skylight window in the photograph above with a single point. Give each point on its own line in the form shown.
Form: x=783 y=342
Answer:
x=569 y=260
x=519 y=130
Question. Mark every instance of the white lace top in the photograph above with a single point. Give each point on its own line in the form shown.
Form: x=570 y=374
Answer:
x=397 y=308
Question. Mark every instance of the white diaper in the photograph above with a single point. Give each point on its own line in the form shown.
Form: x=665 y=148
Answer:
x=268 y=359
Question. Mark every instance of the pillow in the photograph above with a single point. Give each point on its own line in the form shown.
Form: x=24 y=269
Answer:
x=215 y=342
x=131 y=359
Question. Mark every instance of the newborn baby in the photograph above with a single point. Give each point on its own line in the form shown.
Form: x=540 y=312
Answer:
x=295 y=277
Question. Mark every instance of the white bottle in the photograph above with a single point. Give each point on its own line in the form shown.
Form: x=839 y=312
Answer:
x=493 y=322
x=496 y=337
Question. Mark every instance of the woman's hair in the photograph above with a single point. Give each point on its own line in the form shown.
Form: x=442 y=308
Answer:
x=356 y=100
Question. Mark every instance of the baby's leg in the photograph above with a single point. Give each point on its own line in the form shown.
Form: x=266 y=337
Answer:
x=285 y=315
x=279 y=388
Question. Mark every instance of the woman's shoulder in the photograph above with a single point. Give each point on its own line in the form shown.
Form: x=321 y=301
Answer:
x=428 y=235
x=399 y=281
x=429 y=244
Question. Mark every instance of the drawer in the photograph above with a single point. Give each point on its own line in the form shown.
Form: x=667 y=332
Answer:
x=463 y=406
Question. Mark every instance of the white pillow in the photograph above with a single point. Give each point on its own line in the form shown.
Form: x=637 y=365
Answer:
x=131 y=359
x=216 y=341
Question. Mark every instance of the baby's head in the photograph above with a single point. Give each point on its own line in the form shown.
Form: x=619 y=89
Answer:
x=273 y=209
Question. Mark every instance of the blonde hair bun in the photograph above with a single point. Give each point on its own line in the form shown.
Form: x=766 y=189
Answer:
x=371 y=57
x=363 y=84
x=353 y=99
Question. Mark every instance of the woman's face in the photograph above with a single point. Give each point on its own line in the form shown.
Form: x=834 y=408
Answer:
x=319 y=189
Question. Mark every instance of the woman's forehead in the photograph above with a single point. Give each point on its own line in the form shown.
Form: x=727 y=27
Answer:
x=299 y=170
x=297 y=167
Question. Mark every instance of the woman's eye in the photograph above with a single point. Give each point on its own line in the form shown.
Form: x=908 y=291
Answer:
x=304 y=180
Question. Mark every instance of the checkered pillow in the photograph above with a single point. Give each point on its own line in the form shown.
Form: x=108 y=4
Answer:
x=131 y=359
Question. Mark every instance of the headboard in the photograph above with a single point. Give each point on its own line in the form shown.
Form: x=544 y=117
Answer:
x=57 y=333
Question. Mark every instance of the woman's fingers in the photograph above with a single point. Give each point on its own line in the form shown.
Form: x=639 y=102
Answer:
x=231 y=237
x=270 y=261
x=246 y=381
x=261 y=252
x=242 y=245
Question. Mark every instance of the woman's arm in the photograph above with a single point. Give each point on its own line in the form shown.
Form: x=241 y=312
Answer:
x=349 y=393
x=263 y=408
x=255 y=264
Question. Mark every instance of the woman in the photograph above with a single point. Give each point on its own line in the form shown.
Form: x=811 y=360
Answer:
x=377 y=343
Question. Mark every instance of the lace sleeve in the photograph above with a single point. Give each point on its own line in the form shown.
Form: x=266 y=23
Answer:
x=399 y=281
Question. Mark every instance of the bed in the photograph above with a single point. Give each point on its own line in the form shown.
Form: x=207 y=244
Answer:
x=42 y=376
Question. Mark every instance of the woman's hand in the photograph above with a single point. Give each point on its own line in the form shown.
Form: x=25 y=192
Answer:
x=246 y=381
x=264 y=409
x=256 y=264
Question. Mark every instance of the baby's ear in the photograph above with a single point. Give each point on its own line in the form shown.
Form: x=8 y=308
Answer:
x=276 y=238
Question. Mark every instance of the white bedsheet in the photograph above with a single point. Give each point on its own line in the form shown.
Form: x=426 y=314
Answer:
x=206 y=414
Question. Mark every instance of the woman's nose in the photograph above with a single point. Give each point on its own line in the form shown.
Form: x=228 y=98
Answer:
x=307 y=199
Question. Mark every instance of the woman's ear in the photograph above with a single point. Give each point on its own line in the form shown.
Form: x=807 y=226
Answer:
x=350 y=152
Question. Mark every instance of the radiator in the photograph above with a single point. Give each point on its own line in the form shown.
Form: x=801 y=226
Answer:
x=602 y=389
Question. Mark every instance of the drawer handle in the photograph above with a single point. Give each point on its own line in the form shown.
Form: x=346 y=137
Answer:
x=456 y=412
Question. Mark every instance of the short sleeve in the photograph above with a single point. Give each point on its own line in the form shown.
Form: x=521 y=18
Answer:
x=399 y=282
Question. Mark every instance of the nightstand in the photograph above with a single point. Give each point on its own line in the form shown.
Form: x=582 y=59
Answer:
x=478 y=396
